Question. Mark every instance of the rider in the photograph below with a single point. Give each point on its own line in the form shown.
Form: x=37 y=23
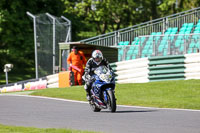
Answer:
x=94 y=62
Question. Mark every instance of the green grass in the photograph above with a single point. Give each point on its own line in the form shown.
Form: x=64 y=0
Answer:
x=15 y=129
x=74 y=93
x=183 y=94
x=168 y=94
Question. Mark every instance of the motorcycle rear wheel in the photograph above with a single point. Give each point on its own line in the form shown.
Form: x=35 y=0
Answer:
x=111 y=101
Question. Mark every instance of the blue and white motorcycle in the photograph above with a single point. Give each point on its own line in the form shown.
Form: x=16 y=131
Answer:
x=103 y=90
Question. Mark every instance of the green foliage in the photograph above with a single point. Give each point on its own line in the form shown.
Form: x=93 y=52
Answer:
x=105 y=15
x=166 y=94
x=168 y=7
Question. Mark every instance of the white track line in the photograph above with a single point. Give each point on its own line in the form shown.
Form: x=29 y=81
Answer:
x=75 y=101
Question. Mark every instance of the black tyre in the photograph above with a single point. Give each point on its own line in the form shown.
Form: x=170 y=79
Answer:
x=111 y=101
x=94 y=107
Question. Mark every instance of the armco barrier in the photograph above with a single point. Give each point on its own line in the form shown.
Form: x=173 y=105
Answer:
x=31 y=84
x=41 y=84
x=192 y=66
x=52 y=81
x=132 y=71
x=176 y=67
x=11 y=88
x=166 y=68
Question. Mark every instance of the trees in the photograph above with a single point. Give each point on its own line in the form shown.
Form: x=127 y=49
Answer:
x=104 y=15
x=173 y=6
x=16 y=31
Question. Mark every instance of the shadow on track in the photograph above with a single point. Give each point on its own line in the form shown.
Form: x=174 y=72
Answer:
x=130 y=111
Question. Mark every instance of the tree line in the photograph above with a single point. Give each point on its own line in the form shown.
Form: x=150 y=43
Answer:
x=89 y=18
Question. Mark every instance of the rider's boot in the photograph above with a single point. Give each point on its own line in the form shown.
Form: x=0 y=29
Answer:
x=88 y=95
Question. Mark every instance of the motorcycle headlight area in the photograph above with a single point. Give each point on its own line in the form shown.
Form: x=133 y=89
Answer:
x=105 y=77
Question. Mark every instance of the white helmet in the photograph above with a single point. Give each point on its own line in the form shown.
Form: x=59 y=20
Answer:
x=97 y=56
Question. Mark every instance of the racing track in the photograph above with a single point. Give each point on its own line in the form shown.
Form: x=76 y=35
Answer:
x=54 y=113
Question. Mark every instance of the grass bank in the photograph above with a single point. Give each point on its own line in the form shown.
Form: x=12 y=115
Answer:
x=183 y=94
x=15 y=129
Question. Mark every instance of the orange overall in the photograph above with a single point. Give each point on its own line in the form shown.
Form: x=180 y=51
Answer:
x=83 y=58
x=79 y=61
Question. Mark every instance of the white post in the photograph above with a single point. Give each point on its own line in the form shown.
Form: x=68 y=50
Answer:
x=35 y=42
x=69 y=31
x=7 y=68
x=6 y=77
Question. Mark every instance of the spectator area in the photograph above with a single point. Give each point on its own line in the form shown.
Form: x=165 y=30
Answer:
x=188 y=33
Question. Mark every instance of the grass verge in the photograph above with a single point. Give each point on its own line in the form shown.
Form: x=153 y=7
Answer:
x=183 y=94
x=15 y=129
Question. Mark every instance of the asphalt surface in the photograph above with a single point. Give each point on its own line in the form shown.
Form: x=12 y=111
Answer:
x=52 y=113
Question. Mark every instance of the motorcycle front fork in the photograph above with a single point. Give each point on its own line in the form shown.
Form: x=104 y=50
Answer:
x=105 y=96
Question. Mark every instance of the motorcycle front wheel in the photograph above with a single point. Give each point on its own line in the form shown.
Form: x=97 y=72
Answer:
x=94 y=107
x=111 y=101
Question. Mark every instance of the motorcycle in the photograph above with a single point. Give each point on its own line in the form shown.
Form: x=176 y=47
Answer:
x=103 y=90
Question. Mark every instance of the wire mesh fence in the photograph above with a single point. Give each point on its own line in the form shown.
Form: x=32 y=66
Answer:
x=49 y=31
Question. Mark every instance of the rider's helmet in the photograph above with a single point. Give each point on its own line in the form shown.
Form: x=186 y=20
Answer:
x=97 y=56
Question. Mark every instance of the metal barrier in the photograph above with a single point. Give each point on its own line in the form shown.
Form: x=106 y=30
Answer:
x=132 y=71
x=31 y=84
x=166 y=68
x=173 y=67
x=158 y=25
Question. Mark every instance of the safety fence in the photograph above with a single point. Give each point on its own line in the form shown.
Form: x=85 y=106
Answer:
x=49 y=30
x=59 y=80
x=176 y=67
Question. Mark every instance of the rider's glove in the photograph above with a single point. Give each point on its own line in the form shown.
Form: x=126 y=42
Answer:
x=92 y=79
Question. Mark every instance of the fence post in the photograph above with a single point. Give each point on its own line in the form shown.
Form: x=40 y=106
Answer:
x=167 y=23
x=115 y=38
x=185 y=46
x=169 y=47
x=154 y=46
x=35 y=41
x=139 y=49
x=118 y=38
x=54 y=40
x=69 y=36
